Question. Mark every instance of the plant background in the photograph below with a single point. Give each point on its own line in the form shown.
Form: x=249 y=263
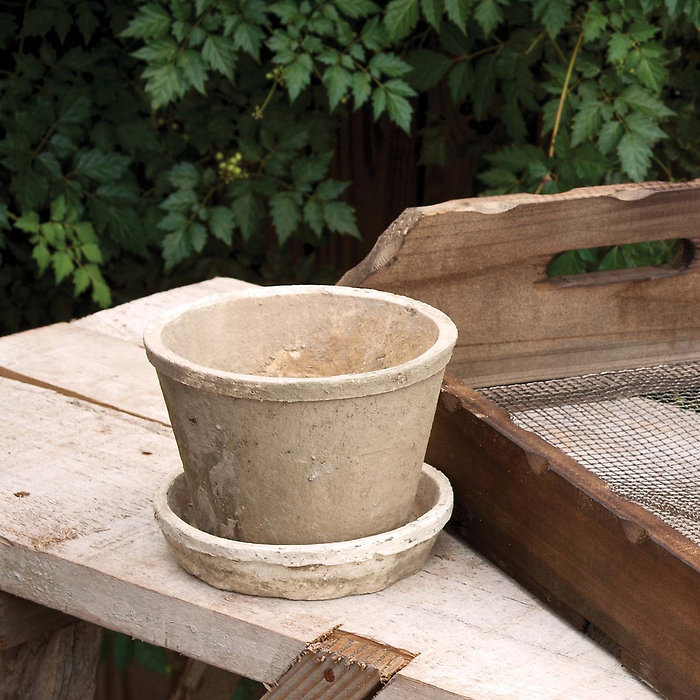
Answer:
x=148 y=144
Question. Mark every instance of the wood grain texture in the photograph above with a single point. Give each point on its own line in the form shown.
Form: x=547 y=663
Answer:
x=200 y=681
x=483 y=262
x=21 y=620
x=559 y=529
x=127 y=321
x=57 y=356
x=84 y=541
x=58 y=665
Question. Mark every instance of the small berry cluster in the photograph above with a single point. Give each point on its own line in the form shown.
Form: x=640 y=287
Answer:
x=230 y=168
x=276 y=74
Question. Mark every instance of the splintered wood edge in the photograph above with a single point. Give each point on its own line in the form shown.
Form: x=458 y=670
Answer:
x=358 y=666
x=638 y=524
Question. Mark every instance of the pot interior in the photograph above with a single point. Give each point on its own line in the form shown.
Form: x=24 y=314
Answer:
x=304 y=335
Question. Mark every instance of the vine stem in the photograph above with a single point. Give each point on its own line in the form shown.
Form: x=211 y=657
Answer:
x=564 y=92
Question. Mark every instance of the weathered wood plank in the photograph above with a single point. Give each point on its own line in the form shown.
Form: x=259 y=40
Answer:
x=21 y=620
x=127 y=321
x=483 y=262
x=58 y=665
x=84 y=541
x=83 y=363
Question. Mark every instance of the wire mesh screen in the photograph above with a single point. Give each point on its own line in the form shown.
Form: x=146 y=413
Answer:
x=638 y=430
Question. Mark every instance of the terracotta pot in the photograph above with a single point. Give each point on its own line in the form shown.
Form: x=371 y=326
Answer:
x=301 y=413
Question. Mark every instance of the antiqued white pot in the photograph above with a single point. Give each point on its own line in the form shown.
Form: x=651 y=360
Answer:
x=301 y=413
x=311 y=571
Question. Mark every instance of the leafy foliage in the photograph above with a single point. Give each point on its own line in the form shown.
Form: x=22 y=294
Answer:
x=158 y=133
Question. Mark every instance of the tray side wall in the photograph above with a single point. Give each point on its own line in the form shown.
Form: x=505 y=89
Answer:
x=483 y=262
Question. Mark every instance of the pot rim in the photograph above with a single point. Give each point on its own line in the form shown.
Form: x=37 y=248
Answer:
x=289 y=389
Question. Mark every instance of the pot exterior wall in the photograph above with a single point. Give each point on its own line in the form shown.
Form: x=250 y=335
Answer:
x=302 y=472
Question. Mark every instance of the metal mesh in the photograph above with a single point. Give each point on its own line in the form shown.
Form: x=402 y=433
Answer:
x=638 y=430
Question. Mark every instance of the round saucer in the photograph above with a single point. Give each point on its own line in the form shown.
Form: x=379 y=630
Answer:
x=309 y=571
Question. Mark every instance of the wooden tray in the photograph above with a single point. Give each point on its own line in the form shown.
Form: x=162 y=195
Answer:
x=608 y=565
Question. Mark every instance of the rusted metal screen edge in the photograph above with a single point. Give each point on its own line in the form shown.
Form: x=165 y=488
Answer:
x=340 y=666
x=637 y=522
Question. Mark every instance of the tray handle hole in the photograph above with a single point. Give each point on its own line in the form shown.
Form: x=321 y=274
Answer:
x=621 y=263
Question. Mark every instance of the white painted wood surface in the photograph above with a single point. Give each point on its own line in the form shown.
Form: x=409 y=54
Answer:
x=84 y=541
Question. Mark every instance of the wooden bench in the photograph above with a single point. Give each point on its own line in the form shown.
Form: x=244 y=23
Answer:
x=85 y=439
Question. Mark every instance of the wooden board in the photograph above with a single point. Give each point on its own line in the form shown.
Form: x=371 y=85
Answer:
x=483 y=262
x=84 y=541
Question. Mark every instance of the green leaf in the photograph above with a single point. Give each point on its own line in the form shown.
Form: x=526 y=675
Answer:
x=461 y=81
x=399 y=109
x=86 y=21
x=313 y=215
x=81 y=281
x=249 y=38
x=337 y=81
x=164 y=84
x=432 y=11
x=183 y=175
x=92 y=252
x=643 y=31
x=554 y=14
x=340 y=217
x=62 y=264
x=635 y=155
x=285 y=214
x=429 y=67
x=181 y=201
x=58 y=208
x=401 y=17
x=488 y=15
x=150 y=21
x=330 y=189
x=28 y=222
x=618 y=47
x=4 y=221
x=644 y=127
x=499 y=179
x=378 y=102
x=101 y=166
x=361 y=88
x=614 y=260
x=356 y=8
x=31 y=189
x=163 y=50
x=221 y=223
x=218 y=52
x=567 y=263
x=390 y=64
x=85 y=232
x=596 y=22
x=248 y=213
x=610 y=135
x=42 y=256
x=589 y=164
x=297 y=75
x=586 y=122
x=54 y=233
x=457 y=11
x=647 y=63
x=103 y=298
x=193 y=68
x=484 y=86
x=172 y=221
x=75 y=111
x=644 y=101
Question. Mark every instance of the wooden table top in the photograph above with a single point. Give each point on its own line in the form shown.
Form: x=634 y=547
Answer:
x=84 y=441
